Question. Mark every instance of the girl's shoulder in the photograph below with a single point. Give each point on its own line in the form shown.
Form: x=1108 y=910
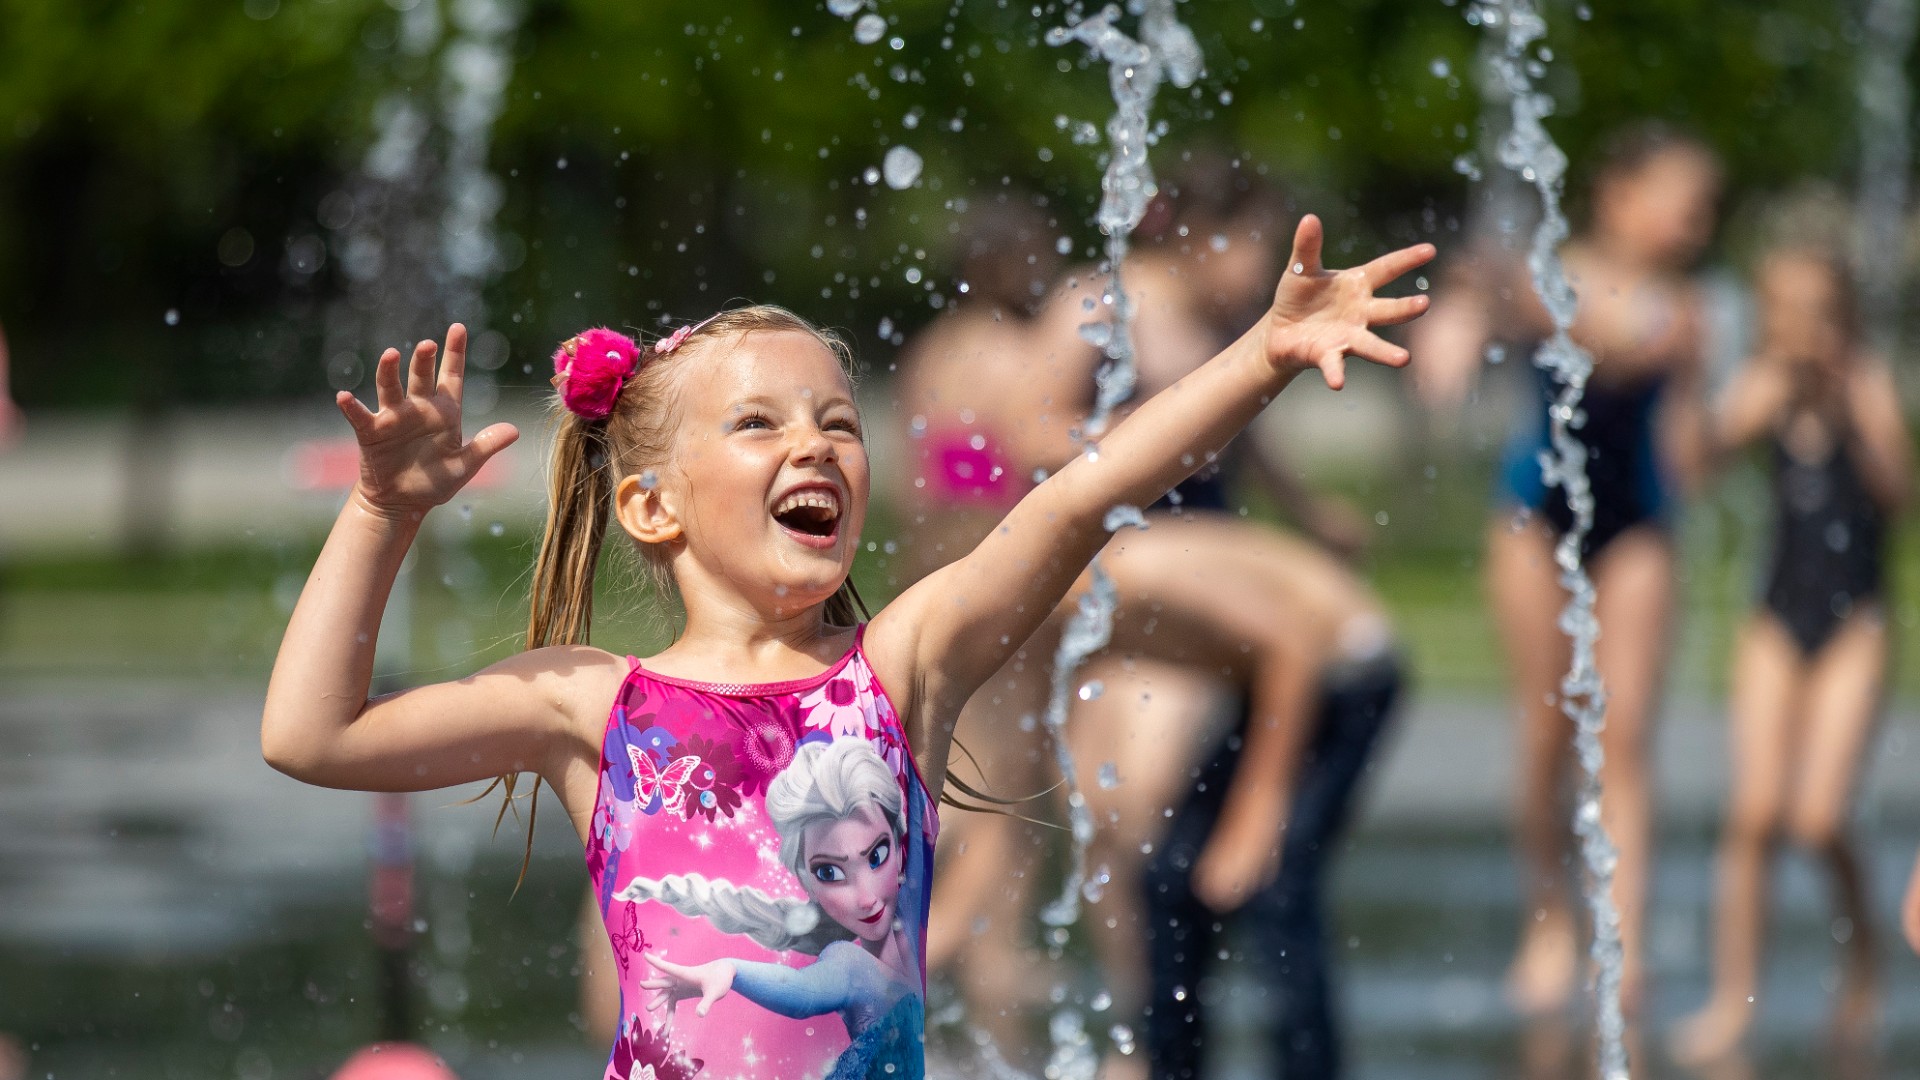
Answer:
x=581 y=681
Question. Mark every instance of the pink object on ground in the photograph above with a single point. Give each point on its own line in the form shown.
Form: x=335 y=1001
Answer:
x=394 y=1061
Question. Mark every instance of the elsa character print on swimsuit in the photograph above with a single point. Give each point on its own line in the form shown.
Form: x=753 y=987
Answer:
x=768 y=845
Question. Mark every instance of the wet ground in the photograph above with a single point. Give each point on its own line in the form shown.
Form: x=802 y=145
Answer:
x=169 y=907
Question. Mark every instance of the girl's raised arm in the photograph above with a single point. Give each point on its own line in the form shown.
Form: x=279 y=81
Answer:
x=958 y=625
x=318 y=724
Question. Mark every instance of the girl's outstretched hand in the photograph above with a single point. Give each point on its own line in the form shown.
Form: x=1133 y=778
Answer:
x=412 y=457
x=1321 y=316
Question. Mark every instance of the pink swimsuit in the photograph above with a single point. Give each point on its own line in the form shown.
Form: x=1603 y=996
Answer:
x=767 y=847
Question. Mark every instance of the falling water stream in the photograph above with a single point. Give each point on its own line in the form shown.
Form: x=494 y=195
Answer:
x=1886 y=153
x=416 y=238
x=1165 y=51
x=1517 y=27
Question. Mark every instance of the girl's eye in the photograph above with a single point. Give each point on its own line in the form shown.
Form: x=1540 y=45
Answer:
x=879 y=855
x=829 y=873
x=847 y=426
x=752 y=422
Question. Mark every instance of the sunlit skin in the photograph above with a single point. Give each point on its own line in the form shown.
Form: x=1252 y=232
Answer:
x=762 y=415
x=853 y=871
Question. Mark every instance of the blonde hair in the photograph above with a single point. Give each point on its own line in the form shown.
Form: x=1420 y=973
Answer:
x=591 y=457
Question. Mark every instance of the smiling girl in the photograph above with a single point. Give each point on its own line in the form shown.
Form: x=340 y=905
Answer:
x=731 y=453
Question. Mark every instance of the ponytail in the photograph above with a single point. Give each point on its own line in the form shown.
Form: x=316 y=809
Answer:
x=579 y=501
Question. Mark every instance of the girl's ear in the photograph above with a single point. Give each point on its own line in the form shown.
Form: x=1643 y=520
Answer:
x=644 y=511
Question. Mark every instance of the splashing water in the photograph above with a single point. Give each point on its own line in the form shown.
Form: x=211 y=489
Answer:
x=901 y=167
x=1886 y=103
x=1165 y=52
x=1530 y=151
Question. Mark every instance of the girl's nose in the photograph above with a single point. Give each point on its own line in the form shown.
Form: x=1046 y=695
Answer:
x=812 y=445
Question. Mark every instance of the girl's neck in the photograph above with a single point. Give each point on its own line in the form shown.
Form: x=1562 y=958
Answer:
x=743 y=645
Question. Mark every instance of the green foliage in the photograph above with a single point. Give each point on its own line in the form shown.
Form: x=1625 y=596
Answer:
x=666 y=156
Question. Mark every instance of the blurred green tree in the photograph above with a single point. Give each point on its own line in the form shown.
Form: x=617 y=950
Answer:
x=663 y=157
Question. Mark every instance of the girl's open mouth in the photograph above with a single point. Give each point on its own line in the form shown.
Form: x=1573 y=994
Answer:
x=810 y=515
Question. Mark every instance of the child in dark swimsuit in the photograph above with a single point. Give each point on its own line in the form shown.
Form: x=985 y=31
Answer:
x=1652 y=214
x=1810 y=665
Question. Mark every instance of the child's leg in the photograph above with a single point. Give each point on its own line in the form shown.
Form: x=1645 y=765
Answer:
x=1844 y=688
x=1151 y=723
x=1180 y=930
x=979 y=926
x=1634 y=581
x=1526 y=599
x=1286 y=919
x=1764 y=707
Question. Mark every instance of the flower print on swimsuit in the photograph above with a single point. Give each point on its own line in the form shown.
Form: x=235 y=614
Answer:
x=843 y=704
x=766 y=744
x=716 y=781
x=640 y=1054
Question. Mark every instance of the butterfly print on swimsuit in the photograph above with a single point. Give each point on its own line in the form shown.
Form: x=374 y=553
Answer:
x=657 y=789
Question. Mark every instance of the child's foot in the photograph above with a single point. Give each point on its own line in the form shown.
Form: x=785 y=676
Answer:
x=1544 y=968
x=1713 y=1033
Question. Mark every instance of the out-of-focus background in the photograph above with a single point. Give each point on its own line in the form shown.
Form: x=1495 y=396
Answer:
x=214 y=212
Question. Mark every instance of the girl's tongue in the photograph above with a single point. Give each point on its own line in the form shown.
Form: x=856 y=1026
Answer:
x=811 y=516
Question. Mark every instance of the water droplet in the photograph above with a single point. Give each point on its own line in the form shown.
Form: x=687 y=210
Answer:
x=649 y=480
x=845 y=9
x=1300 y=268
x=886 y=328
x=1440 y=68
x=498 y=528
x=1064 y=245
x=1109 y=776
x=901 y=167
x=1091 y=691
x=172 y=317
x=871 y=176
x=869 y=29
